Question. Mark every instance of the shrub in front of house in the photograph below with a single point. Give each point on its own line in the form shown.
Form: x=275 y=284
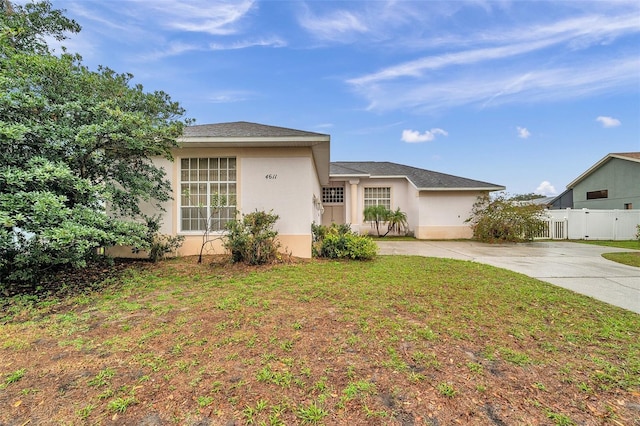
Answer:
x=501 y=219
x=339 y=242
x=253 y=239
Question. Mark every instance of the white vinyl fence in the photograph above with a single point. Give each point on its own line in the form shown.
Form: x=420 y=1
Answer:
x=588 y=224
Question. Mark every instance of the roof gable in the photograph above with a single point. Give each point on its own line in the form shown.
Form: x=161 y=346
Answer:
x=627 y=156
x=422 y=179
x=242 y=134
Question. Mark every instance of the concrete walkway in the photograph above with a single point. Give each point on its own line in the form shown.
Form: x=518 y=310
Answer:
x=575 y=266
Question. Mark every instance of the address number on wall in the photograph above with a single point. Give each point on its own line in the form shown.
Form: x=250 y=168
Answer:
x=271 y=176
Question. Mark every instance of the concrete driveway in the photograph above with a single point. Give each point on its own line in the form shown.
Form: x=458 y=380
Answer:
x=575 y=266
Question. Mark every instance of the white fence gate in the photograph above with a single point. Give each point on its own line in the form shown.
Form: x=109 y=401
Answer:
x=588 y=224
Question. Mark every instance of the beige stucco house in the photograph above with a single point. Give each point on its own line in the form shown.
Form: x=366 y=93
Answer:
x=248 y=167
x=436 y=204
x=251 y=167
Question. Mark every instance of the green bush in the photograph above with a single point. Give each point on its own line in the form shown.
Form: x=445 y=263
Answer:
x=502 y=219
x=159 y=244
x=339 y=242
x=253 y=240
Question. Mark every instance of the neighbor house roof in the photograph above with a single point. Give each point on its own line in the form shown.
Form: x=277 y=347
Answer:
x=253 y=135
x=628 y=156
x=420 y=178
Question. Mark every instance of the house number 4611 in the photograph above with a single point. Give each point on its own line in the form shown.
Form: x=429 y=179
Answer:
x=271 y=176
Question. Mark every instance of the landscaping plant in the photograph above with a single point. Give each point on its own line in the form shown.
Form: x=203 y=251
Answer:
x=501 y=219
x=73 y=142
x=339 y=242
x=252 y=239
x=379 y=215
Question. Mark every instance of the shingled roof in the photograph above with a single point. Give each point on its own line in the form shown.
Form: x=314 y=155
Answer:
x=422 y=179
x=244 y=129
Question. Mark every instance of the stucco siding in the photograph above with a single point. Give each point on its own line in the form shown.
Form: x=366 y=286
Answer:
x=281 y=184
x=443 y=232
x=443 y=214
x=282 y=180
x=401 y=197
x=621 y=179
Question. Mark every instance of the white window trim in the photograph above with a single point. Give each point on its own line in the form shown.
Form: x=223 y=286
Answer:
x=208 y=183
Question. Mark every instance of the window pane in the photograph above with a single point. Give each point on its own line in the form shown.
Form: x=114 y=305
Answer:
x=377 y=196
x=202 y=183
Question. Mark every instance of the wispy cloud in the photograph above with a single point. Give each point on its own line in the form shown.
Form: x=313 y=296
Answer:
x=216 y=18
x=523 y=133
x=501 y=86
x=545 y=188
x=518 y=65
x=414 y=136
x=230 y=96
x=608 y=121
x=244 y=44
x=337 y=25
x=171 y=49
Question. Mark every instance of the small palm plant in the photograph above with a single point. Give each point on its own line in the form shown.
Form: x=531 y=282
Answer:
x=397 y=221
x=376 y=215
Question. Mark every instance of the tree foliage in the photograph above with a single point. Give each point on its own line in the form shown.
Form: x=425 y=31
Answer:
x=500 y=219
x=526 y=197
x=75 y=149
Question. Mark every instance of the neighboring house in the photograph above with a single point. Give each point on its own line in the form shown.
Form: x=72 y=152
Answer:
x=611 y=183
x=562 y=201
x=437 y=204
x=220 y=169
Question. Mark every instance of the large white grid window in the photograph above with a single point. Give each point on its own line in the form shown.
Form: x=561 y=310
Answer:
x=377 y=196
x=207 y=193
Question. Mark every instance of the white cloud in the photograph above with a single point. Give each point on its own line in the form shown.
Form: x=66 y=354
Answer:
x=523 y=132
x=244 y=44
x=414 y=136
x=608 y=121
x=335 y=26
x=507 y=67
x=498 y=86
x=545 y=188
x=217 y=18
x=230 y=96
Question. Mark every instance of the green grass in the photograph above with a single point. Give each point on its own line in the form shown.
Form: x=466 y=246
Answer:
x=626 y=244
x=626 y=258
x=315 y=342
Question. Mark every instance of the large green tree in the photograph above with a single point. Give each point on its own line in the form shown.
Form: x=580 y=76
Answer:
x=75 y=149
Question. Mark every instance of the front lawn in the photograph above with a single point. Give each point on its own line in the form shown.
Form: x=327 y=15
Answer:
x=398 y=340
x=625 y=244
x=627 y=258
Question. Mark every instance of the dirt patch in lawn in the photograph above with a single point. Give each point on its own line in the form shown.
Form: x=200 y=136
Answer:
x=401 y=341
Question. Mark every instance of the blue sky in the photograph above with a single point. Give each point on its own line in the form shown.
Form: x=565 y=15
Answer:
x=517 y=93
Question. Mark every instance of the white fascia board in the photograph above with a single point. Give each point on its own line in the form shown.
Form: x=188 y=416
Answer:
x=486 y=188
x=349 y=175
x=203 y=141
